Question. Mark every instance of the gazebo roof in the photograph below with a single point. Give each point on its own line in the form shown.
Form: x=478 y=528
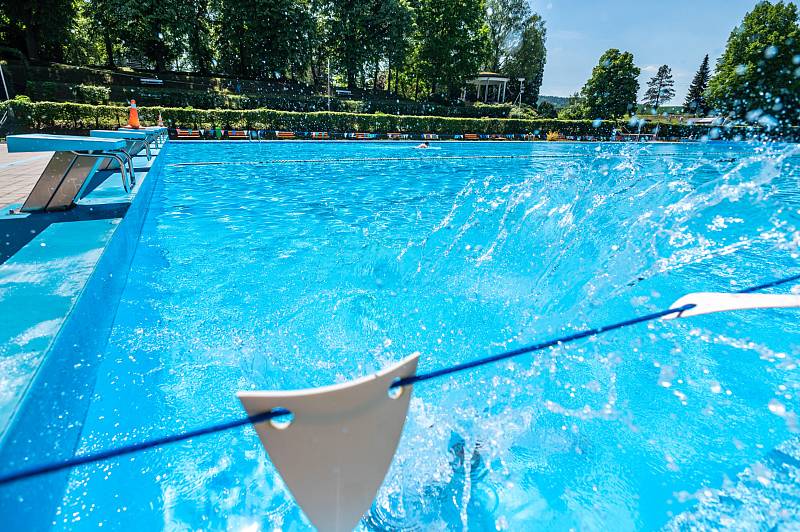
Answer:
x=484 y=77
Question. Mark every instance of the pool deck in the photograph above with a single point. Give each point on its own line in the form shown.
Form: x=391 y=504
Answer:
x=18 y=173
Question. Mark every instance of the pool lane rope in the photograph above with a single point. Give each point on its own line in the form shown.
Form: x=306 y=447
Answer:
x=334 y=445
x=269 y=162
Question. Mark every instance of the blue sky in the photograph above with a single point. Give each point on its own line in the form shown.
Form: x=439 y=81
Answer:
x=673 y=32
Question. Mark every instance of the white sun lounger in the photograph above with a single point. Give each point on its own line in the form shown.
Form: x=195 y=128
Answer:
x=74 y=162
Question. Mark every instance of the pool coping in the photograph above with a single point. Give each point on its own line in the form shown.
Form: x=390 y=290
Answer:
x=47 y=420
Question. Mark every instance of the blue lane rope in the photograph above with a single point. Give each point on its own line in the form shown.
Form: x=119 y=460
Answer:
x=98 y=456
x=770 y=284
x=464 y=366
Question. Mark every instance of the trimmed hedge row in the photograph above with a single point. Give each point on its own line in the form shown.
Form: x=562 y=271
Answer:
x=51 y=116
x=205 y=99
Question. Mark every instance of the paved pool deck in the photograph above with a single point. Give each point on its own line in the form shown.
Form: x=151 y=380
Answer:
x=18 y=173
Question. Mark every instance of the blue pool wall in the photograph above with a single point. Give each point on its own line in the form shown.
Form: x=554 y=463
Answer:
x=48 y=423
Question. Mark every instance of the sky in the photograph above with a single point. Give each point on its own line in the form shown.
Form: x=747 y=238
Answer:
x=677 y=33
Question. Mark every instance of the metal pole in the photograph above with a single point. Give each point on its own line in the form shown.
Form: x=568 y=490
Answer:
x=3 y=77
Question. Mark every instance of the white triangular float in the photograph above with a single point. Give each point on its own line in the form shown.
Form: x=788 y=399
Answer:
x=708 y=302
x=337 y=449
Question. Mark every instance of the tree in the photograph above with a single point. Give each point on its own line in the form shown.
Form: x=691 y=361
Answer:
x=396 y=45
x=546 y=110
x=528 y=59
x=756 y=77
x=264 y=38
x=575 y=109
x=103 y=13
x=452 y=41
x=505 y=22
x=611 y=90
x=695 y=98
x=42 y=27
x=659 y=88
x=199 y=40
x=85 y=46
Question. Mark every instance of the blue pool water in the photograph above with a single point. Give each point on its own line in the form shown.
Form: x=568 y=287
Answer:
x=272 y=275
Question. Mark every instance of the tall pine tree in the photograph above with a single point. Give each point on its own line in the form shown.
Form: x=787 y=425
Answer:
x=696 y=98
x=659 y=88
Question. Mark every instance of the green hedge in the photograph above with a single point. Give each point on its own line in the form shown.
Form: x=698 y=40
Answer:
x=52 y=91
x=206 y=99
x=50 y=116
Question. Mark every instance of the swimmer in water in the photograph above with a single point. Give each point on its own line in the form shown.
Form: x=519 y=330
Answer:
x=425 y=144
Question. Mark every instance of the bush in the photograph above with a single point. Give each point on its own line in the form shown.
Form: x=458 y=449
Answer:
x=524 y=112
x=51 y=116
x=92 y=94
x=52 y=91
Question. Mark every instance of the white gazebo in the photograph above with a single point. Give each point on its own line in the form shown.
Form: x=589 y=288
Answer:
x=493 y=84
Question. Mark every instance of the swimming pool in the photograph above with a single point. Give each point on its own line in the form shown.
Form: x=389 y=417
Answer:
x=256 y=272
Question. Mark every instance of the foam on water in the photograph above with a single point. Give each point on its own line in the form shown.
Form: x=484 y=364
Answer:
x=297 y=275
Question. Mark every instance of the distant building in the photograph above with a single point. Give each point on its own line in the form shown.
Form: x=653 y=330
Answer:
x=490 y=86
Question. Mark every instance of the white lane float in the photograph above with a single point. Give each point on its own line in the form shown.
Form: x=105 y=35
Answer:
x=335 y=452
x=337 y=449
x=709 y=302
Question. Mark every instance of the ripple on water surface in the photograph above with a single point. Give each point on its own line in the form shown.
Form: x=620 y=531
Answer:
x=279 y=275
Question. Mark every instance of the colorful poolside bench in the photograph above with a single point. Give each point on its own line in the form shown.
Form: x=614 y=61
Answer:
x=430 y=136
x=471 y=136
x=320 y=135
x=188 y=134
x=284 y=134
x=361 y=136
x=234 y=134
x=75 y=161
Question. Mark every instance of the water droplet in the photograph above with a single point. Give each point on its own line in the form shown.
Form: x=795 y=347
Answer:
x=777 y=408
x=770 y=51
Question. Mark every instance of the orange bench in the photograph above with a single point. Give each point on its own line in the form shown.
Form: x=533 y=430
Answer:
x=471 y=136
x=284 y=134
x=236 y=135
x=188 y=134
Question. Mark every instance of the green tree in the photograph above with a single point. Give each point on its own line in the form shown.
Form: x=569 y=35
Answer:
x=611 y=90
x=546 y=110
x=660 y=87
x=108 y=26
x=353 y=34
x=262 y=39
x=756 y=77
x=528 y=59
x=505 y=22
x=453 y=40
x=396 y=43
x=575 y=109
x=695 y=98
x=41 y=27
x=199 y=37
x=85 y=46
x=152 y=30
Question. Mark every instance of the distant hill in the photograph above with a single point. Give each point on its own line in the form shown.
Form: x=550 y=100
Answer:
x=558 y=101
